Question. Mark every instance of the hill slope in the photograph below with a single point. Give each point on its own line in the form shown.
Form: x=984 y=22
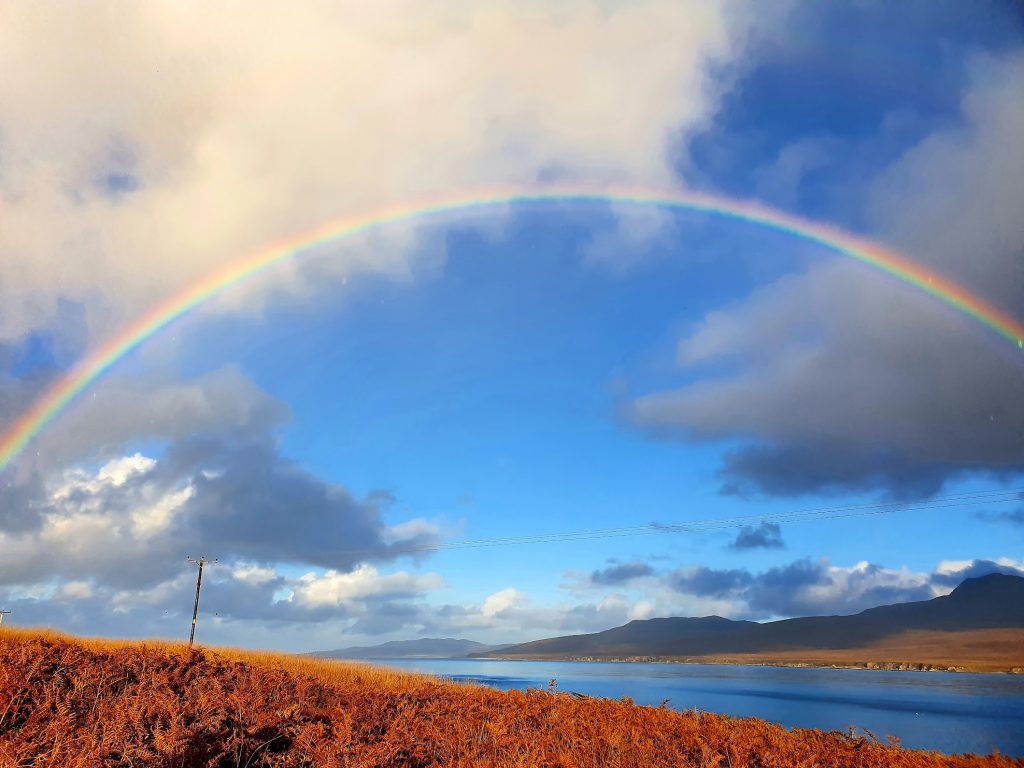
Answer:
x=82 y=704
x=986 y=603
x=424 y=648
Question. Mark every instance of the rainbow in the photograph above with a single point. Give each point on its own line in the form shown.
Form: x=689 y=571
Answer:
x=17 y=436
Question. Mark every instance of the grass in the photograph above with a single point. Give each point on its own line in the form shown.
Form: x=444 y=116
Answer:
x=78 y=703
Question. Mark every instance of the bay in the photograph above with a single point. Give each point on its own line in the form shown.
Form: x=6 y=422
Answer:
x=944 y=711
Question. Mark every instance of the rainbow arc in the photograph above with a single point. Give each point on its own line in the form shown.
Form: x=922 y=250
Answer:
x=21 y=432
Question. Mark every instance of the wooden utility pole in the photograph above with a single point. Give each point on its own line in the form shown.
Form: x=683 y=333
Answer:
x=199 y=583
x=2 y=614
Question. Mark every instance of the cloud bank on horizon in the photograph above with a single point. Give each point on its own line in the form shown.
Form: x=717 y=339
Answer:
x=143 y=146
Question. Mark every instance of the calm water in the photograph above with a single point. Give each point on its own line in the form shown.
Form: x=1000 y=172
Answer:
x=944 y=711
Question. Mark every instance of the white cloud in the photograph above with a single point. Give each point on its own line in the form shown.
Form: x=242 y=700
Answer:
x=115 y=473
x=417 y=528
x=644 y=609
x=76 y=590
x=145 y=145
x=333 y=588
x=155 y=518
x=953 y=567
x=118 y=471
x=253 y=574
x=857 y=584
x=502 y=601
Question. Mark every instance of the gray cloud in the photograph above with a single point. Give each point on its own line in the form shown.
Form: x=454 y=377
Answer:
x=815 y=587
x=102 y=550
x=232 y=601
x=787 y=469
x=390 y=616
x=620 y=573
x=119 y=412
x=763 y=536
x=233 y=500
x=709 y=582
x=251 y=502
x=524 y=621
x=22 y=501
x=1013 y=516
x=841 y=379
x=219 y=486
x=786 y=590
x=123 y=410
x=973 y=569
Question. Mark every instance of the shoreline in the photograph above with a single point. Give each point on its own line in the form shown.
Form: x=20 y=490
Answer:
x=875 y=666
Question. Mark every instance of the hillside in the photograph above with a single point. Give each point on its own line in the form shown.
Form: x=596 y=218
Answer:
x=66 y=703
x=993 y=602
x=423 y=648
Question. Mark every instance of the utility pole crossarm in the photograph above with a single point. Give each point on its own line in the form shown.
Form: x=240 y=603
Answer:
x=2 y=614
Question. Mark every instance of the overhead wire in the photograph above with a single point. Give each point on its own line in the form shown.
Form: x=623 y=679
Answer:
x=714 y=524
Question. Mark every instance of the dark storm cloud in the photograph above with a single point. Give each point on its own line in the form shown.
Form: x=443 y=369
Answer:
x=794 y=470
x=763 y=536
x=841 y=379
x=621 y=573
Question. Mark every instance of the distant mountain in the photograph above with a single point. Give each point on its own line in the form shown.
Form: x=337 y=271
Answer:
x=650 y=637
x=989 y=602
x=424 y=648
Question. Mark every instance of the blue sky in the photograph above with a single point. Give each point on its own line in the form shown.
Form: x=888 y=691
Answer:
x=543 y=370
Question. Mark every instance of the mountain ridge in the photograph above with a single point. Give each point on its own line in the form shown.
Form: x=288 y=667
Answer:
x=420 y=648
x=995 y=601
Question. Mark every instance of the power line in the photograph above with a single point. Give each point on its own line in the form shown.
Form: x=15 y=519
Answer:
x=720 y=523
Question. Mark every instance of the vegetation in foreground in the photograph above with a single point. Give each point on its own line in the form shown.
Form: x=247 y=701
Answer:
x=78 y=704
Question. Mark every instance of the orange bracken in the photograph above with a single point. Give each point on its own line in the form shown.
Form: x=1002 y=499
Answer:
x=69 y=703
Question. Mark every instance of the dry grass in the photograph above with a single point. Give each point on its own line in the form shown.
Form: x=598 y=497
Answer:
x=90 y=703
x=326 y=672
